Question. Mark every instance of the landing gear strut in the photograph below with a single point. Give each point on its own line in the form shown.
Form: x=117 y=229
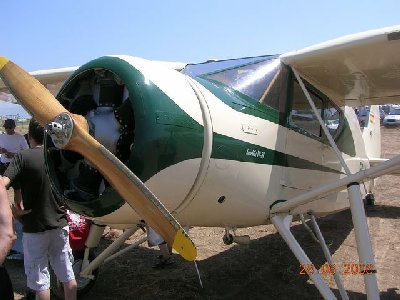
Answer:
x=229 y=238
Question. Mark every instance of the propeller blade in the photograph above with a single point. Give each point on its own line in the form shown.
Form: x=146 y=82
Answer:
x=45 y=108
x=40 y=102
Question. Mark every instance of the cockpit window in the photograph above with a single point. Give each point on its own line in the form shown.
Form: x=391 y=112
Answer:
x=332 y=118
x=303 y=118
x=251 y=80
x=263 y=79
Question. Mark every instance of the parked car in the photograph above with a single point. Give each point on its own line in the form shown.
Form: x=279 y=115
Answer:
x=393 y=118
x=362 y=115
x=382 y=115
x=332 y=124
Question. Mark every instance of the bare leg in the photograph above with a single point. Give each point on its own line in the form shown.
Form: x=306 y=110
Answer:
x=70 y=290
x=165 y=258
x=43 y=295
x=165 y=250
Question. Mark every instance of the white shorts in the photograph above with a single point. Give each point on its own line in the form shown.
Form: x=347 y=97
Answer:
x=153 y=238
x=42 y=247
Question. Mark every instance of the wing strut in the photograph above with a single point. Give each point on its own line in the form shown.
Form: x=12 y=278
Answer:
x=363 y=239
x=282 y=223
x=321 y=122
x=381 y=169
x=328 y=257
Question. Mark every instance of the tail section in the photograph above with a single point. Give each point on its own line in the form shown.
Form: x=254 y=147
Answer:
x=372 y=133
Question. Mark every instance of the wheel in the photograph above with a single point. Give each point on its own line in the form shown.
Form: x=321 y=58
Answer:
x=370 y=199
x=83 y=284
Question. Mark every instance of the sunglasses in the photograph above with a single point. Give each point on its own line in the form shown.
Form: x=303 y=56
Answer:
x=8 y=127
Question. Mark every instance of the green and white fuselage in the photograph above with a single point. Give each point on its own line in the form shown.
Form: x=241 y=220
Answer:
x=213 y=153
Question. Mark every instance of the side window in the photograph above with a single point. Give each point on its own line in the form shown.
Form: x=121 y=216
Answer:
x=332 y=118
x=302 y=116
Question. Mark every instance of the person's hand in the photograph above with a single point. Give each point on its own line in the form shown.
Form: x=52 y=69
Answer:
x=9 y=154
x=19 y=211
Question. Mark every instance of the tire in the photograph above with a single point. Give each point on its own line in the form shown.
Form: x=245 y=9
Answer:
x=370 y=199
x=84 y=285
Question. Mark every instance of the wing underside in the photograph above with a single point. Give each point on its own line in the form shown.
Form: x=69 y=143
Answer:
x=355 y=70
x=52 y=79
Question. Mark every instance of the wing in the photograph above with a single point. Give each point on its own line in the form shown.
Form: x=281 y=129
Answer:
x=355 y=70
x=52 y=79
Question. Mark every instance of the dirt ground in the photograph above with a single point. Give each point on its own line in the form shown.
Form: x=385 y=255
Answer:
x=264 y=269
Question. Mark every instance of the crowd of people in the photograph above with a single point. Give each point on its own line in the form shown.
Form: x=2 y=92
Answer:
x=11 y=143
x=44 y=222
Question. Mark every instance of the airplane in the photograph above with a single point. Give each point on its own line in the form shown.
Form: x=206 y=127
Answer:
x=225 y=143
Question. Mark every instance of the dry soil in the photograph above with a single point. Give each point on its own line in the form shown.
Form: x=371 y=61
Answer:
x=264 y=269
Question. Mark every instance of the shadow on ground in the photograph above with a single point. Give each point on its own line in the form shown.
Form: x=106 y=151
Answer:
x=265 y=269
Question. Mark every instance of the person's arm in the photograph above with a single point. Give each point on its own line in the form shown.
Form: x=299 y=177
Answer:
x=7 y=235
x=6 y=181
x=9 y=154
x=18 y=199
x=18 y=209
x=12 y=173
x=23 y=143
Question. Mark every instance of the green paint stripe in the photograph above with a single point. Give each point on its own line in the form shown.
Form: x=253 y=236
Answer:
x=249 y=106
x=231 y=149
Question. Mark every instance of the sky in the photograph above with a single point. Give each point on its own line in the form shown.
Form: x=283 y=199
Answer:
x=8 y=110
x=44 y=34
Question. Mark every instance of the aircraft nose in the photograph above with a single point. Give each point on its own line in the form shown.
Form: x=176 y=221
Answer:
x=104 y=86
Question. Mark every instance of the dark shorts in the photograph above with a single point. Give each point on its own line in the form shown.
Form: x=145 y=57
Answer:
x=6 y=289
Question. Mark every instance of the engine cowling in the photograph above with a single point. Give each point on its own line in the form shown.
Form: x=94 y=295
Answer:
x=147 y=115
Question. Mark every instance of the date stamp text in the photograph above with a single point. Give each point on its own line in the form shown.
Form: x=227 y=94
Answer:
x=342 y=269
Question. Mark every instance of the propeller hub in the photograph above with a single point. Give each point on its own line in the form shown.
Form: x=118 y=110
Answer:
x=60 y=129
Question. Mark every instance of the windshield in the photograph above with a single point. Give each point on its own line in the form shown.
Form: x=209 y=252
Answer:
x=395 y=111
x=213 y=66
x=251 y=80
x=258 y=77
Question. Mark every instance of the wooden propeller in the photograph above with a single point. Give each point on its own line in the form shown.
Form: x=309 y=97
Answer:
x=45 y=108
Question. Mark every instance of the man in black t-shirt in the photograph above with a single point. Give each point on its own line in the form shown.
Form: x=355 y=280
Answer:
x=45 y=227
